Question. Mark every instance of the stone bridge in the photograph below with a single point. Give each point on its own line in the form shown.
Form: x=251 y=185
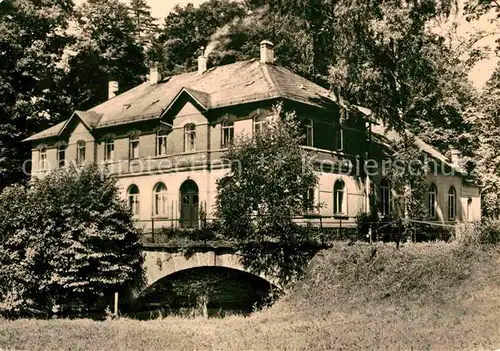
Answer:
x=160 y=263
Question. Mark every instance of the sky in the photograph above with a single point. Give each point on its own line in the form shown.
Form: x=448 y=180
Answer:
x=160 y=8
x=478 y=75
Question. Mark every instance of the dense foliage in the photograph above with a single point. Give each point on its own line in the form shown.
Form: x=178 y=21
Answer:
x=269 y=184
x=32 y=41
x=66 y=239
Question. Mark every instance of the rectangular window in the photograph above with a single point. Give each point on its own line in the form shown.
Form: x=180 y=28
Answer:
x=258 y=125
x=386 y=200
x=161 y=143
x=134 y=147
x=43 y=159
x=109 y=150
x=227 y=133
x=189 y=137
x=61 y=156
x=339 y=138
x=309 y=132
x=80 y=154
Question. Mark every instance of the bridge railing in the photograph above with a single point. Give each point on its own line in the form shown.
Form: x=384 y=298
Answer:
x=163 y=230
x=325 y=228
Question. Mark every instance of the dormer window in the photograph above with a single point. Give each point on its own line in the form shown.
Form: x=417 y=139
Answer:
x=80 y=152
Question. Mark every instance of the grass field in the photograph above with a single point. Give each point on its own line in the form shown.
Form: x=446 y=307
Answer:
x=424 y=296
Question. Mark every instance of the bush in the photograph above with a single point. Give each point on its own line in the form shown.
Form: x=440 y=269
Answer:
x=66 y=239
x=486 y=232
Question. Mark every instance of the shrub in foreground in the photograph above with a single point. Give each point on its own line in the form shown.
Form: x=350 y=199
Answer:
x=486 y=232
x=66 y=239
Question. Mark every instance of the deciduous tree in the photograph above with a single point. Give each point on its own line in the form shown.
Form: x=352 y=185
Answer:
x=269 y=184
x=66 y=239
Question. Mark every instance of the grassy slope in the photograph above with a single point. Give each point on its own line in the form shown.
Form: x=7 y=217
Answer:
x=421 y=297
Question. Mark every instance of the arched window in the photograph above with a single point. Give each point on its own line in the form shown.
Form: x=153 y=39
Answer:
x=432 y=201
x=189 y=137
x=133 y=199
x=339 y=197
x=80 y=153
x=385 y=197
x=160 y=200
x=161 y=142
x=227 y=133
x=42 y=159
x=452 y=204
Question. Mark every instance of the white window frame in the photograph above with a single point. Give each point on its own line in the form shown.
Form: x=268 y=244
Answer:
x=42 y=158
x=227 y=133
x=452 y=203
x=134 y=143
x=61 y=162
x=339 y=138
x=81 y=150
x=189 y=137
x=160 y=200
x=309 y=132
x=432 y=201
x=259 y=123
x=109 y=150
x=161 y=142
x=385 y=198
x=133 y=200
x=339 y=197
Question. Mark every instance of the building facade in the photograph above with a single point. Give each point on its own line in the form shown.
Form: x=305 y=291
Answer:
x=164 y=141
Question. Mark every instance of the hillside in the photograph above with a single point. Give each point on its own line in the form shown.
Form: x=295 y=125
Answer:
x=424 y=296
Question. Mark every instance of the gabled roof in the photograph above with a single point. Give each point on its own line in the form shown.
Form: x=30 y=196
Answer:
x=201 y=98
x=89 y=119
x=233 y=84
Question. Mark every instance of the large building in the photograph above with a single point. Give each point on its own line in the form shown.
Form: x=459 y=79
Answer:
x=164 y=140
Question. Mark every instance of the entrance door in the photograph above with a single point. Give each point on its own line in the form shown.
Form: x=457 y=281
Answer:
x=189 y=204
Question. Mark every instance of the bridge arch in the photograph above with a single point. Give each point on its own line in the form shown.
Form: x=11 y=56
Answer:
x=160 y=264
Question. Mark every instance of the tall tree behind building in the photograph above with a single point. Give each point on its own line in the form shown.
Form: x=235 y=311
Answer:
x=145 y=24
x=187 y=29
x=32 y=40
x=105 y=49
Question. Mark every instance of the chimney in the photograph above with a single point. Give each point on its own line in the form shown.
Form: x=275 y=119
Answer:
x=154 y=75
x=456 y=157
x=112 y=89
x=202 y=64
x=266 y=52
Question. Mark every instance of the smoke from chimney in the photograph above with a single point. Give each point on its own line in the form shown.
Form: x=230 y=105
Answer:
x=221 y=35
